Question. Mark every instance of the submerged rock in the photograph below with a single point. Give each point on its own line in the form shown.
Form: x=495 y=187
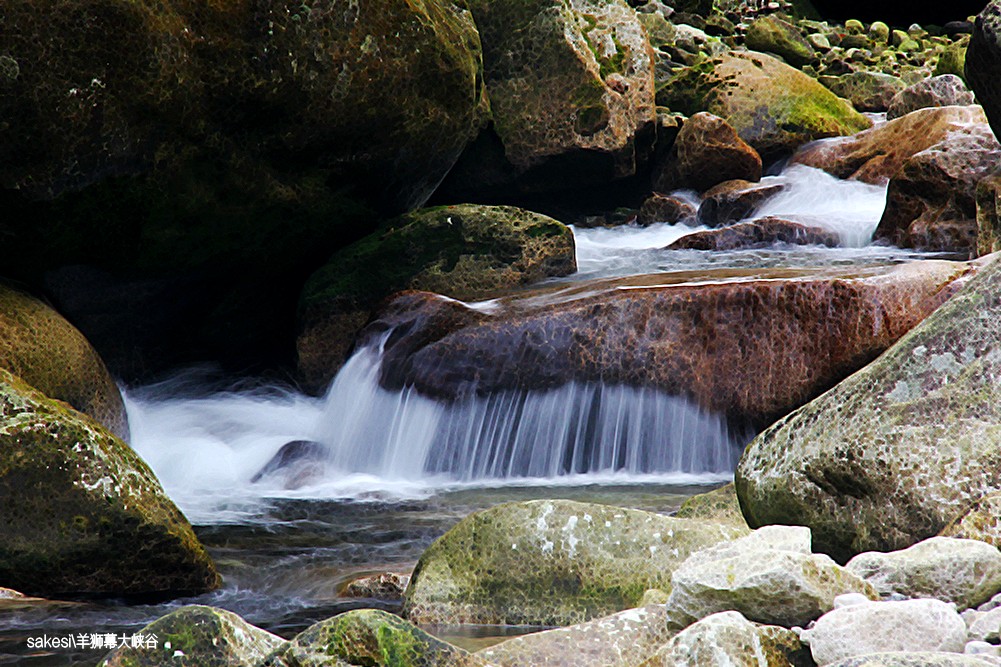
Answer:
x=877 y=154
x=551 y=562
x=774 y=107
x=466 y=252
x=296 y=464
x=83 y=515
x=368 y=637
x=750 y=345
x=727 y=638
x=198 y=635
x=900 y=449
x=964 y=572
x=706 y=152
x=624 y=639
x=38 y=345
x=755 y=234
x=385 y=586
x=909 y=625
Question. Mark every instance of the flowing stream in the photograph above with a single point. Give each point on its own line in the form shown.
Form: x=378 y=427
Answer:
x=392 y=470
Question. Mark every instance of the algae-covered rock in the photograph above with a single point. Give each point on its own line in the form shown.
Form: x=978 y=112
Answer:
x=204 y=636
x=867 y=91
x=571 y=95
x=770 y=576
x=716 y=505
x=465 y=252
x=727 y=638
x=774 y=107
x=624 y=639
x=964 y=572
x=551 y=562
x=771 y=34
x=82 y=513
x=47 y=352
x=908 y=625
x=370 y=637
x=898 y=450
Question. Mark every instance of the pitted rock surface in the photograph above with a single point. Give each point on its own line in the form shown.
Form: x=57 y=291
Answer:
x=551 y=562
x=917 y=659
x=867 y=91
x=755 y=234
x=731 y=201
x=980 y=521
x=706 y=152
x=665 y=208
x=938 y=91
x=900 y=449
x=931 y=203
x=82 y=513
x=47 y=352
x=624 y=639
x=753 y=349
x=204 y=636
x=876 y=154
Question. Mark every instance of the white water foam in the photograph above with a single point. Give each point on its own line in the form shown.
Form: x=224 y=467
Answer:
x=400 y=444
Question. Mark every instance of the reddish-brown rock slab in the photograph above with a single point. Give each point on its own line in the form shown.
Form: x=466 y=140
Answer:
x=752 y=345
x=756 y=233
x=875 y=155
x=731 y=201
x=706 y=152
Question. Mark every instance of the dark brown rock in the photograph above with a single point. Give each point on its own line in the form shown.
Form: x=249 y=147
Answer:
x=983 y=62
x=665 y=208
x=706 y=152
x=753 y=349
x=732 y=201
x=756 y=233
x=989 y=214
x=931 y=202
x=875 y=155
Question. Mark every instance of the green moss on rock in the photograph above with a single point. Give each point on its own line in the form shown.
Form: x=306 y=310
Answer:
x=717 y=505
x=370 y=637
x=204 y=636
x=551 y=562
x=47 y=352
x=83 y=515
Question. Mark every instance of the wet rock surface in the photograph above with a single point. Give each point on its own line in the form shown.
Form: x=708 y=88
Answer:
x=755 y=234
x=732 y=201
x=706 y=152
x=938 y=91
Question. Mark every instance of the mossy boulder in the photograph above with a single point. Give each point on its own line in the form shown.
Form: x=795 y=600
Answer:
x=465 y=252
x=204 y=636
x=571 y=88
x=774 y=107
x=551 y=562
x=717 y=505
x=867 y=91
x=771 y=34
x=370 y=637
x=175 y=145
x=38 y=345
x=83 y=515
x=900 y=449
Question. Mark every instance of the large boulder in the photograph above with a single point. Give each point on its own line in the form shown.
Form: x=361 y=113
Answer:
x=963 y=572
x=551 y=562
x=867 y=91
x=753 y=349
x=983 y=62
x=944 y=90
x=204 y=636
x=876 y=154
x=706 y=152
x=774 y=107
x=894 y=453
x=931 y=202
x=38 y=345
x=82 y=513
x=571 y=93
x=367 y=637
x=172 y=146
x=717 y=505
x=624 y=639
x=465 y=252
x=909 y=625
x=727 y=638
x=773 y=35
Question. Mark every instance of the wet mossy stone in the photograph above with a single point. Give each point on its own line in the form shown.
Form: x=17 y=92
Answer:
x=198 y=635
x=897 y=451
x=466 y=252
x=774 y=107
x=773 y=35
x=82 y=514
x=717 y=505
x=38 y=345
x=370 y=637
x=551 y=562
